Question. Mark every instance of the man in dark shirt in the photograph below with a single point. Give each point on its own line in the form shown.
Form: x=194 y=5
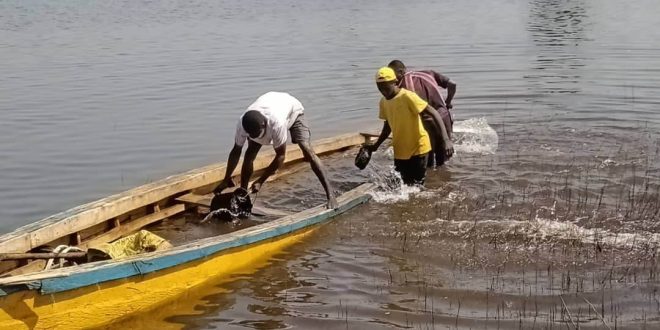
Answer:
x=426 y=84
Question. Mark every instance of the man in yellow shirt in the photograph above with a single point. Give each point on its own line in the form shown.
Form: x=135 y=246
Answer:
x=401 y=110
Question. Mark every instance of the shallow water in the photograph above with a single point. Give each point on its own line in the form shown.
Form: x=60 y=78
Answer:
x=558 y=217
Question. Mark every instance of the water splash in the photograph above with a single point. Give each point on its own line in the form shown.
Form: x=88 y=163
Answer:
x=607 y=163
x=544 y=230
x=219 y=213
x=390 y=186
x=470 y=136
x=475 y=136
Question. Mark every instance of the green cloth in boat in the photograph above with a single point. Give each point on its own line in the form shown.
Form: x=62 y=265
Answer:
x=140 y=242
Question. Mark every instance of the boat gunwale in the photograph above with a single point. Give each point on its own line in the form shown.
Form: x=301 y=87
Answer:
x=70 y=278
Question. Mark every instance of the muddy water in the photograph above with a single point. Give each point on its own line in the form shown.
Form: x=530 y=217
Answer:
x=553 y=226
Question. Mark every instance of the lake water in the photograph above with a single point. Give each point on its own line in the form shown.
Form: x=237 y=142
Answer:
x=553 y=225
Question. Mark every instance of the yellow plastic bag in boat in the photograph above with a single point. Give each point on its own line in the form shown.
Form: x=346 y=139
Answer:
x=140 y=242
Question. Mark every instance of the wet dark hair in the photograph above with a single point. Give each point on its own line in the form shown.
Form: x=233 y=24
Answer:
x=397 y=65
x=252 y=122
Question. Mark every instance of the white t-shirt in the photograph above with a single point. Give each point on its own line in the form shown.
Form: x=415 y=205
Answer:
x=280 y=110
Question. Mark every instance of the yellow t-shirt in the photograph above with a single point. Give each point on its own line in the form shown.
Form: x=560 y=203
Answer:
x=409 y=138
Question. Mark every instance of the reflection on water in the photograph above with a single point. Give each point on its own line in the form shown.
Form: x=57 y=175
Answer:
x=548 y=220
x=557 y=23
x=557 y=29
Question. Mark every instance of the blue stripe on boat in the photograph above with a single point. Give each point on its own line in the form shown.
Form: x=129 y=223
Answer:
x=124 y=270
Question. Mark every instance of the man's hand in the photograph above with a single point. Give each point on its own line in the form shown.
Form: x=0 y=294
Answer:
x=449 y=106
x=256 y=186
x=449 y=149
x=370 y=147
x=224 y=184
x=332 y=203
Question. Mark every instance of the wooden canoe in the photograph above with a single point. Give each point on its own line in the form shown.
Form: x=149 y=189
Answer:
x=98 y=293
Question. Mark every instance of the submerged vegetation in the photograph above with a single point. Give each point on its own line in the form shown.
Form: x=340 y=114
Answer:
x=570 y=242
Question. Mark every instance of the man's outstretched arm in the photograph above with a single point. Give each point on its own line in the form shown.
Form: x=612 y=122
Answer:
x=446 y=83
x=319 y=170
x=446 y=142
x=451 y=91
x=232 y=162
x=280 y=153
x=248 y=163
x=384 y=134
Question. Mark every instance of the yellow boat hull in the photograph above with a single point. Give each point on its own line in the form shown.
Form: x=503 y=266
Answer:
x=113 y=301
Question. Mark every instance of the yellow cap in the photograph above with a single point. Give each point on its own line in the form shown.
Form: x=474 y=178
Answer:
x=385 y=74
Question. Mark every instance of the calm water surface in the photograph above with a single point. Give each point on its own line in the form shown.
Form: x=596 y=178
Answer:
x=556 y=228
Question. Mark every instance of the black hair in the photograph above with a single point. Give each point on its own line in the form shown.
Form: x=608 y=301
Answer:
x=252 y=122
x=397 y=65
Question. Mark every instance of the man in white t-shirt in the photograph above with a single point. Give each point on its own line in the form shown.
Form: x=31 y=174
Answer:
x=267 y=121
